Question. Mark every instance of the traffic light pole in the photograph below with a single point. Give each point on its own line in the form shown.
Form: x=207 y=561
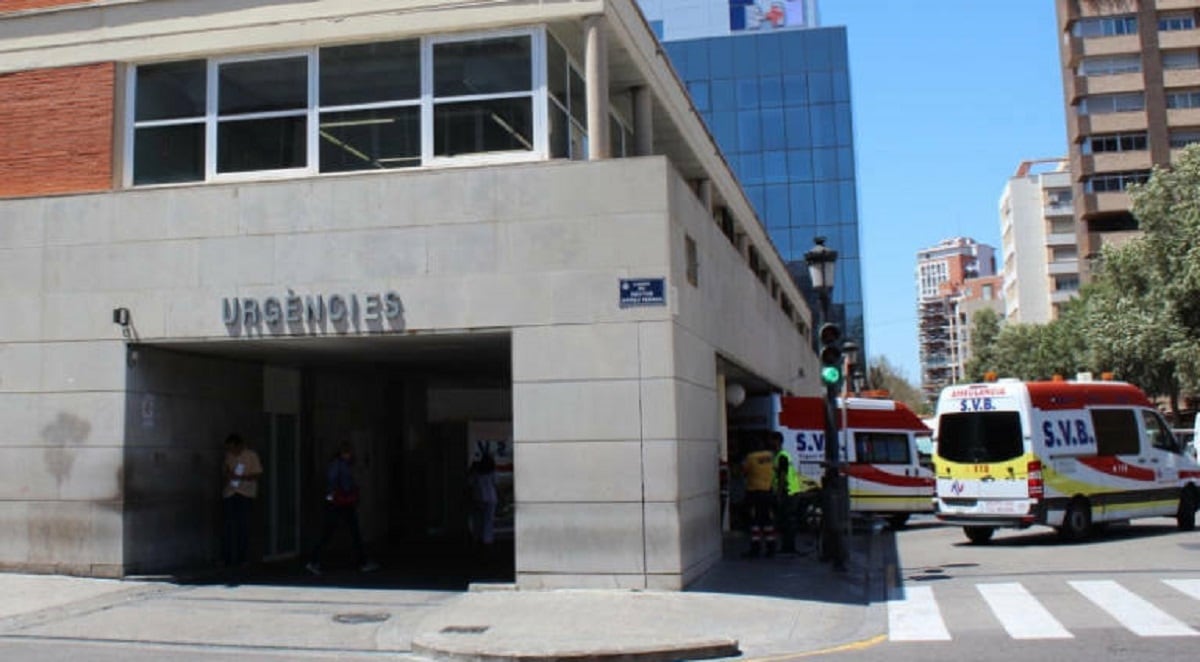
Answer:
x=833 y=544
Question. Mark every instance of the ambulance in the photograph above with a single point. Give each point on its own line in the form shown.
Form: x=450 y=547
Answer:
x=1064 y=454
x=883 y=467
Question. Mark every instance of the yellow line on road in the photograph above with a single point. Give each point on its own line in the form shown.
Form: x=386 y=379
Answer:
x=852 y=646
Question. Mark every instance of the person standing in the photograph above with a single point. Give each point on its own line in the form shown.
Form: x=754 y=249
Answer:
x=758 y=467
x=241 y=471
x=786 y=486
x=341 y=507
x=481 y=481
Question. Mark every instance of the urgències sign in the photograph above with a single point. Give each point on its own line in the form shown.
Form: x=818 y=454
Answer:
x=313 y=313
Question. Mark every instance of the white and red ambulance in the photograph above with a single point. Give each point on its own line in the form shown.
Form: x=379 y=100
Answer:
x=880 y=449
x=1067 y=454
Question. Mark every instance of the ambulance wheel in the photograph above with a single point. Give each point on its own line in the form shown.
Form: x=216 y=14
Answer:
x=979 y=535
x=1077 y=521
x=898 y=521
x=1186 y=516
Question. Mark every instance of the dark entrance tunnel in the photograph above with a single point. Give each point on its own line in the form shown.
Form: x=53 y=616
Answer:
x=416 y=409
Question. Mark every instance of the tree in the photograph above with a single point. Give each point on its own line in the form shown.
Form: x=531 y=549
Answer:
x=985 y=328
x=881 y=374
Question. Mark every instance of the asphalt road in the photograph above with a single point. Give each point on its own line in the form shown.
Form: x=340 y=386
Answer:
x=1131 y=592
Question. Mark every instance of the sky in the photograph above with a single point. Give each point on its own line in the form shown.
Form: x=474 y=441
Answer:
x=948 y=97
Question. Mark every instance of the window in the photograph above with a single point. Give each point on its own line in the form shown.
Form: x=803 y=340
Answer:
x=1183 y=99
x=1176 y=22
x=200 y=120
x=1114 y=181
x=1102 y=104
x=1062 y=253
x=1116 y=432
x=881 y=448
x=1109 y=65
x=1184 y=137
x=1107 y=26
x=1189 y=59
x=1066 y=283
x=1115 y=142
x=1158 y=434
x=370 y=113
x=980 y=437
x=693 y=260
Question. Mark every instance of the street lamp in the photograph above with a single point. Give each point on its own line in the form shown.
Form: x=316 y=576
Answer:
x=820 y=260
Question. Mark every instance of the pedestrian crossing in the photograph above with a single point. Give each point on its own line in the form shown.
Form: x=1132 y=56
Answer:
x=1054 y=609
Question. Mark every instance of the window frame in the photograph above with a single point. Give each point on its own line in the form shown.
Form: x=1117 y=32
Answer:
x=537 y=95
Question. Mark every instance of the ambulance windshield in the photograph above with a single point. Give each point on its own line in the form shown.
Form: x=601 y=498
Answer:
x=978 y=437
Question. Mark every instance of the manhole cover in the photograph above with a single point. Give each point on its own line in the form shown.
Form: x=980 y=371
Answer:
x=465 y=629
x=354 y=618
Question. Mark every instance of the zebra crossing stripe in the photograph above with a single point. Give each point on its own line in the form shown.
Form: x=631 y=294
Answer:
x=1189 y=586
x=1131 y=610
x=916 y=617
x=1020 y=613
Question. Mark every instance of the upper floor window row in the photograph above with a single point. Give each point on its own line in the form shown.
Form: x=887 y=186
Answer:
x=1108 y=65
x=1189 y=59
x=1180 y=138
x=1115 y=181
x=1178 y=99
x=1177 y=22
x=1102 y=104
x=335 y=109
x=1115 y=142
x=1105 y=26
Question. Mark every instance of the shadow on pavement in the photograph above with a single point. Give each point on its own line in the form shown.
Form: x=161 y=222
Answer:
x=408 y=566
x=802 y=576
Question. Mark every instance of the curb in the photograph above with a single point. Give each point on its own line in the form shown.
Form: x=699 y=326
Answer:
x=433 y=646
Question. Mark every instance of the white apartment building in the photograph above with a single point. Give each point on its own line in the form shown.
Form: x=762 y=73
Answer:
x=1038 y=241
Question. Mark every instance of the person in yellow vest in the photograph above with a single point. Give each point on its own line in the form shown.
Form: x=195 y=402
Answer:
x=786 y=486
x=758 y=468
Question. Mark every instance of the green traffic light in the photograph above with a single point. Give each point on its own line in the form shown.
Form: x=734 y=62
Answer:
x=831 y=374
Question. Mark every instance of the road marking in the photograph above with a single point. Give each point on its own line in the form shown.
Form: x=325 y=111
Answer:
x=916 y=617
x=1189 y=586
x=1131 y=611
x=1020 y=613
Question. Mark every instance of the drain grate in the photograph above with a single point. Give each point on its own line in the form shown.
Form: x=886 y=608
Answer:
x=355 y=618
x=465 y=629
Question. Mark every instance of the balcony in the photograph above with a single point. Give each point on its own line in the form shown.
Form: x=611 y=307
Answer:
x=1112 y=84
x=1178 y=38
x=1173 y=78
x=1121 y=161
x=1112 y=201
x=1119 y=45
x=1183 y=117
x=1058 y=209
x=1116 y=122
x=1061 y=239
x=1063 y=267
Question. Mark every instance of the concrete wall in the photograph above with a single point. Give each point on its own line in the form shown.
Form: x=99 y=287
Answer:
x=178 y=410
x=615 y=410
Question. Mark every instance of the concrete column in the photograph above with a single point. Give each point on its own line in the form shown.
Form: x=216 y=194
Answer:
x=643 y=121
x=596 y=66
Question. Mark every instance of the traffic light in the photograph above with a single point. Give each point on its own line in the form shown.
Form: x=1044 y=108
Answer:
x=831 y=353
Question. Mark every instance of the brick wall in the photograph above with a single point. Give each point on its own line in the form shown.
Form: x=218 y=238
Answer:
x=17 y=5
x=56 y=130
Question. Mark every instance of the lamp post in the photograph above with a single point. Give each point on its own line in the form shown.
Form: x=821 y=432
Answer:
x=821 y=261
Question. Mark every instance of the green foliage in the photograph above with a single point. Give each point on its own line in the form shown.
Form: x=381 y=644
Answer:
x=1139 y=318
x=985 y=330
x=883 y=375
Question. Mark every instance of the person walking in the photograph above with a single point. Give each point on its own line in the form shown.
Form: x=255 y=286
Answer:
x=760 y=500
x=341 y=507
x=241 y=470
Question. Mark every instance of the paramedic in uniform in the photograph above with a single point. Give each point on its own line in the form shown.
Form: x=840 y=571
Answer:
x=758 y=468
x=785 y=484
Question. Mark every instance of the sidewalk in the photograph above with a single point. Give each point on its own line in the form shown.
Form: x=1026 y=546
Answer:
x=752 y=609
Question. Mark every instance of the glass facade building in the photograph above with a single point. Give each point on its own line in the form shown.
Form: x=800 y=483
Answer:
x=778 y=104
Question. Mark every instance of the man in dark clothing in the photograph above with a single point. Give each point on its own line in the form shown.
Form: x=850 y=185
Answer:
x=341 y=505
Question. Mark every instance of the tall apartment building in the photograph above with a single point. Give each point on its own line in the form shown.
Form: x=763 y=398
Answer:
x=1131 y=81
x=952 y=277
x=774 y=89
x=1037 y=236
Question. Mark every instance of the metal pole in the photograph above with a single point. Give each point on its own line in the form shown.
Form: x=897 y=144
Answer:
x=833 y=546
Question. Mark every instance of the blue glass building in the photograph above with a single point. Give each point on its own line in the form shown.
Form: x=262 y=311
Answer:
x=777 y=100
